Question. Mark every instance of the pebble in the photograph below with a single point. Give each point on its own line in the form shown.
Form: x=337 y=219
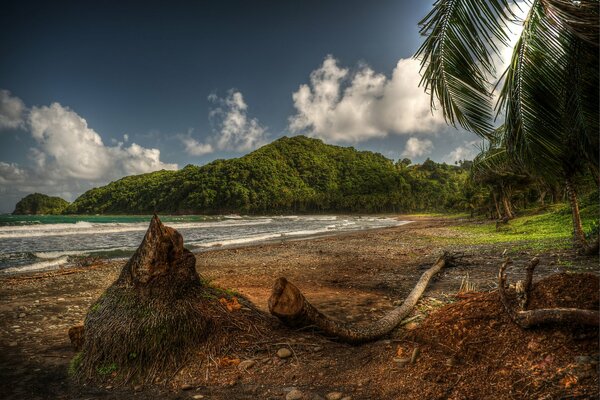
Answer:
x=197 y=396
x=334 y=396
x=186 y=386
x=246 y=364
x=585 y=360
x=137 y=388
x=294 y=394
x=411 y=326
x=22 y=315
x=13 y=344
x=402 y=361
x=414 y=355
x=317 y=348
x=284 y=352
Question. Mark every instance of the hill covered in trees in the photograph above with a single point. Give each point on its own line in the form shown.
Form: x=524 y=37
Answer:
x=38 y=203
x=290 y=175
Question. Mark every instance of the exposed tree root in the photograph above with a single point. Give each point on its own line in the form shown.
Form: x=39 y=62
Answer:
x=530 y=318
x=290 y=306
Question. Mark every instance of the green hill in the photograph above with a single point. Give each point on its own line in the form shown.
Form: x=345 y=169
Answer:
x=38 y=203
x=290 y=175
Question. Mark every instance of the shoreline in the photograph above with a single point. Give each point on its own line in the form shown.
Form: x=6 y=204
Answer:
x=354 y=277
x=75 y=261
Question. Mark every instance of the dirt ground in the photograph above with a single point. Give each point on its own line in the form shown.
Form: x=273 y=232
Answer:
x=467 y=346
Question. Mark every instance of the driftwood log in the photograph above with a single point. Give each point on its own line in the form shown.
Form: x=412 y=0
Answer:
x=291 y=307
x=531 y=318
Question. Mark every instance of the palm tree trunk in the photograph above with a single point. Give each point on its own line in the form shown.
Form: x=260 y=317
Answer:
x=498 y=213
x=578 y=234
x=506 y=204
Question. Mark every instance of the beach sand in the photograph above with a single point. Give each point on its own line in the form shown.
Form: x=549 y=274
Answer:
x=352 y=276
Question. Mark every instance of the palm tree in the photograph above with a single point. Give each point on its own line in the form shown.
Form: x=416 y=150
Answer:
x=549 y=95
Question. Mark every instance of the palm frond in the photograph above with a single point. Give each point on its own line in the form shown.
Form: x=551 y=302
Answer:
x=456 y=58
x=531 y=95
x=550 y=97
x=579 y=17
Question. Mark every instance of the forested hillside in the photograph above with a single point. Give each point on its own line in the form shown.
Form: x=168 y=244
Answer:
x=38 y=203
x=290 y=175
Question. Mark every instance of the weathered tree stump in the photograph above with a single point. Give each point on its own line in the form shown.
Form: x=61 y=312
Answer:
x=157 y=314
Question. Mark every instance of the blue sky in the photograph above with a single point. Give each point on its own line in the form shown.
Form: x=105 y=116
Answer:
x=93 y=91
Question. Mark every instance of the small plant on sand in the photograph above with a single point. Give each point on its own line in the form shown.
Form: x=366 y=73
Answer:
x=75 y=363
x=107 y=369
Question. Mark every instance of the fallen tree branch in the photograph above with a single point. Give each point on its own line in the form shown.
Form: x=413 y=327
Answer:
x=530 y=318
x=291 y=307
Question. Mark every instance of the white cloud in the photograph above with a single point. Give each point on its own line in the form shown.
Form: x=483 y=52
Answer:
x=11 y=173
x=467 y=151
x=415 y=147
x=195 y=148
x=234 y=130
x=340 y=106
x=12 y=110
x=67 y=147
x=70 y=157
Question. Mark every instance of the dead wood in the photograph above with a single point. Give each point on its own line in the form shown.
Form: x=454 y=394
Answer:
x=289 y=304
x=158 y=314
x=530 y=318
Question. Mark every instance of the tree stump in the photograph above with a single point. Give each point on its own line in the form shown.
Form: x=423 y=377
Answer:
x=157 y=314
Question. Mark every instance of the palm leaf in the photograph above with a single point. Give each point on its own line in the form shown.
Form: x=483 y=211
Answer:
x=456 y=58
x=550 y=97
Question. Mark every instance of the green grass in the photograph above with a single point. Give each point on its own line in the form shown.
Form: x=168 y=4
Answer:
x=74 y=364
x=107 y=369
x=549 y=229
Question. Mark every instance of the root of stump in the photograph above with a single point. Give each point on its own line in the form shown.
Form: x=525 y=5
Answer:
x=289 y=304
x=531 y=318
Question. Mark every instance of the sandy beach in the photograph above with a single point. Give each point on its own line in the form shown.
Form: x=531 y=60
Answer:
x=353 y=277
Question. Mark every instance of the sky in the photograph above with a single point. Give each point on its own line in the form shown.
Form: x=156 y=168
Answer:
x=94 y=91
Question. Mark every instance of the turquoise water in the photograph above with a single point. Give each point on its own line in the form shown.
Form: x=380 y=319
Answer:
x=32 y=243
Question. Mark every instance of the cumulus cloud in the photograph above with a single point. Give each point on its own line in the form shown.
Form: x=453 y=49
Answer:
x=68 y=147
x=341 y=106
x=12 y=110
x=415 y=147
x=467 y=151
x=70 y=157
x=233 y=129
x=195 y=148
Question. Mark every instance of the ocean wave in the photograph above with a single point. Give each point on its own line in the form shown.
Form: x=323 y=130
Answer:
x=234 y=241
x=42 y=265
x=307 y=232
x=88 y=228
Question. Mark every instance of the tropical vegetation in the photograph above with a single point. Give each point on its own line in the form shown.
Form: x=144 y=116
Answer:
x=548 y=100
x=38 y=203
x=289 y=175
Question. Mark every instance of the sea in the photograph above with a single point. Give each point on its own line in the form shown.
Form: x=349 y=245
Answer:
x=46 y=242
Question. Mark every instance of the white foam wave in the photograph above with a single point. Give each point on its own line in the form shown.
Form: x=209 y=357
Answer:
x=307 y=232
x=56 y=254
x=50 y=264
x=87 y=228
x=241 y=240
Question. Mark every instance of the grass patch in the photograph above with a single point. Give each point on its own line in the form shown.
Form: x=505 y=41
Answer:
x=75 y=363
x=549 y=229
x=107 y=369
